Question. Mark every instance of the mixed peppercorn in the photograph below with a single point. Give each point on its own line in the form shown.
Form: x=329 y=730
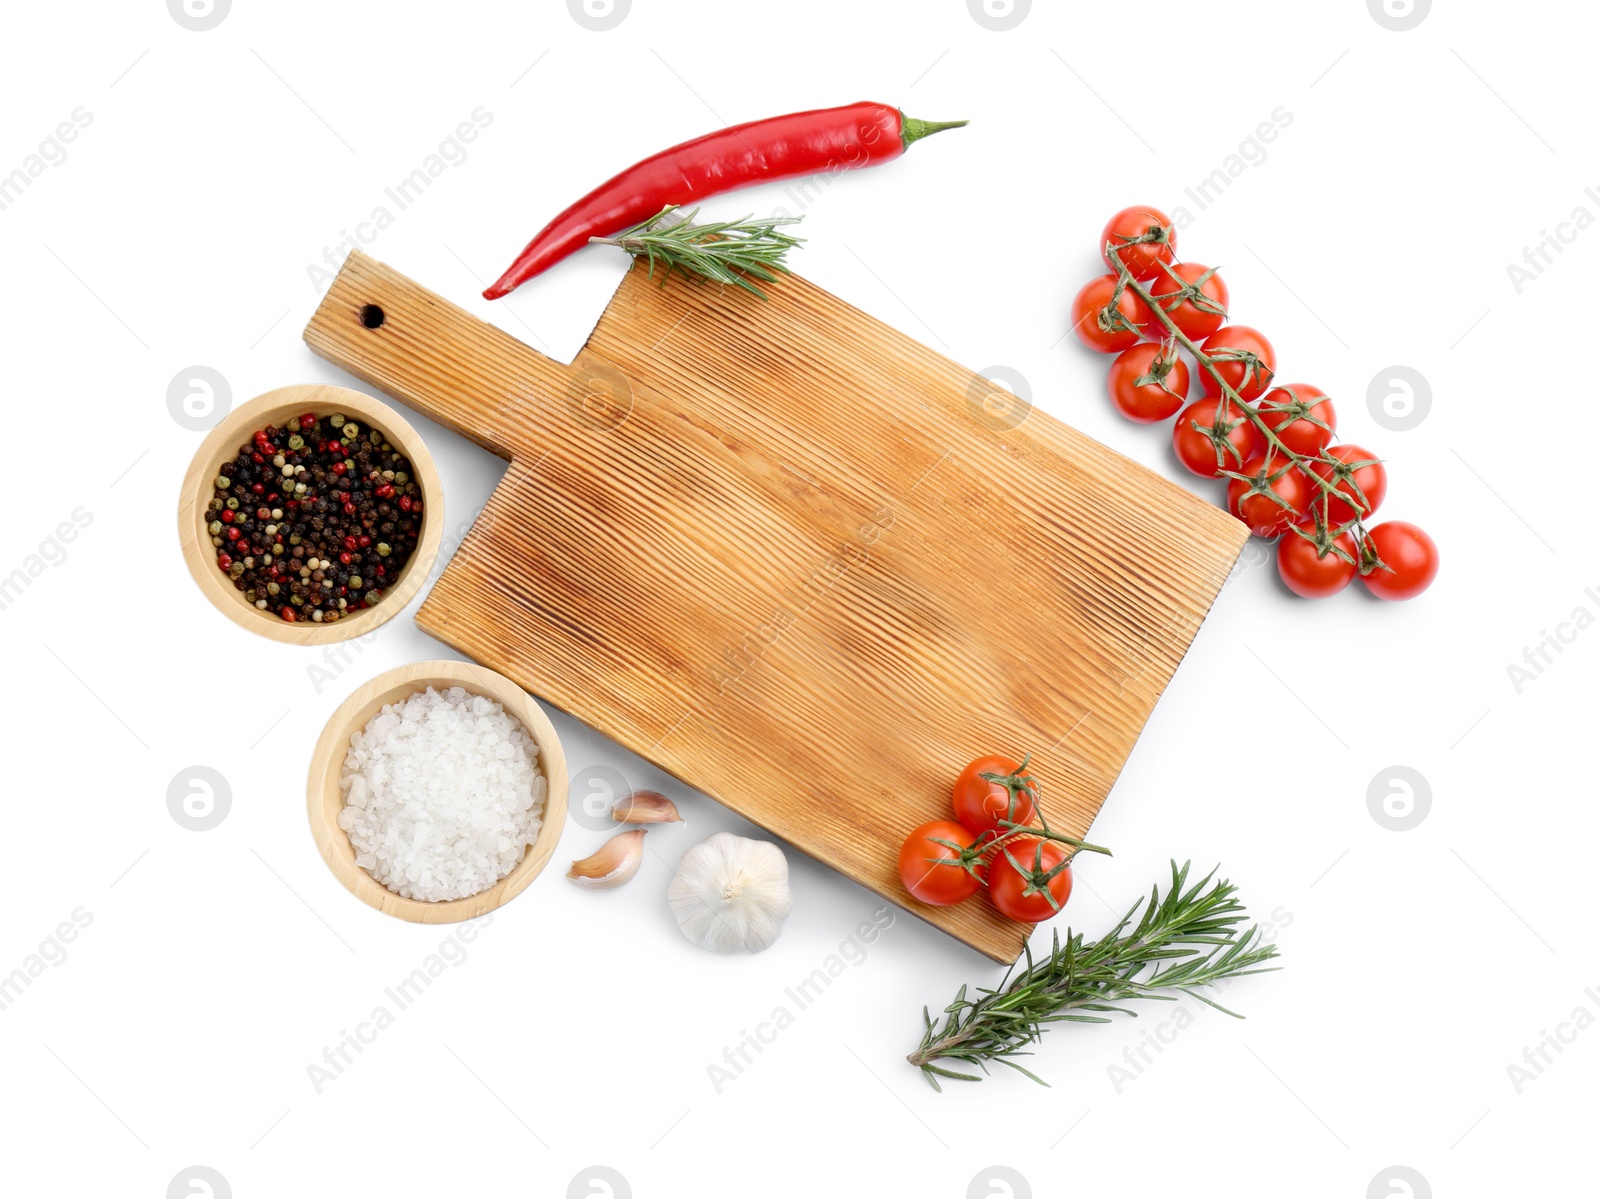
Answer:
x=315 y=520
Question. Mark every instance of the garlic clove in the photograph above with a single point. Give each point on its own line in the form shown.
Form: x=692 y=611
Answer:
x=645 y=807
x=731 y=894
x=613 y=864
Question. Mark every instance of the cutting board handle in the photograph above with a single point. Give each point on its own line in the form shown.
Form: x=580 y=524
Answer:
x=433 y=356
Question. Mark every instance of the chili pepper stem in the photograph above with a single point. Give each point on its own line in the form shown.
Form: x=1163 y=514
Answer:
x=913 y=130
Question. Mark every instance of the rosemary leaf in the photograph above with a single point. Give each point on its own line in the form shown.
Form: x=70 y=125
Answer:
x=722 y=251
x=1187 y=940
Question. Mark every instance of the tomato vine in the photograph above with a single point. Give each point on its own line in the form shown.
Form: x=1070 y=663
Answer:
x=1273 y=453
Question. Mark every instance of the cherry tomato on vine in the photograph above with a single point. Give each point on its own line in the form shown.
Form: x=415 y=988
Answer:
x=1105 y=328
x=1409 y=553
x=1025 y=894
x=1129 y=228
x=943 y=880
x=1148 y=382
x=1251 y=503
x=981 y=803
x=1247 y=361
x=1195 y=447
x=1369 y=483
x=1292 y=411
x=1312 y=571
x=1197 y=317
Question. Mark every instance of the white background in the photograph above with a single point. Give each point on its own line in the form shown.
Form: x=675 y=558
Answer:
x=1377 y=231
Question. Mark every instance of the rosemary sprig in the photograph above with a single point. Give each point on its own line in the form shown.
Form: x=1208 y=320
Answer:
x=722 y=251
x=1158 y=958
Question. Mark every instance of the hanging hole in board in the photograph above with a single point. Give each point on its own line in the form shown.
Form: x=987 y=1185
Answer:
x=372 y=316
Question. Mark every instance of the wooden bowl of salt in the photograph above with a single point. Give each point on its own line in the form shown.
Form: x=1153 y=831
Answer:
x=325 y=799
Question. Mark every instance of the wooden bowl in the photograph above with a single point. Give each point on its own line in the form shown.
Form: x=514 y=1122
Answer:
x=222 y=444
x=324 y=801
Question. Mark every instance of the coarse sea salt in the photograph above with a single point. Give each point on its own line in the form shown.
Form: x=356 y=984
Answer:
x=443 y=794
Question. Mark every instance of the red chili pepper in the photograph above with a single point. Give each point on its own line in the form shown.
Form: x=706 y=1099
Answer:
x=802 y=143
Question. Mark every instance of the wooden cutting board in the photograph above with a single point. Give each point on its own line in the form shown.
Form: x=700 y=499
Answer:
x=795 y=558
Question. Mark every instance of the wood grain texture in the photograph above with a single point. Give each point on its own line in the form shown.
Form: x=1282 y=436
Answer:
x=324 y=800
x=797 y=559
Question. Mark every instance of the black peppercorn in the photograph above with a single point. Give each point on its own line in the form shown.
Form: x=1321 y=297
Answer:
x=321 y=502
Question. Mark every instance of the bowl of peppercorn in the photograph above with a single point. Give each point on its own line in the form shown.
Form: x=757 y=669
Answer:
x=311 y=514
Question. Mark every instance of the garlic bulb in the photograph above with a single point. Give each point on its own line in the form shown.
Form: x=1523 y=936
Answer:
x=731 y=894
